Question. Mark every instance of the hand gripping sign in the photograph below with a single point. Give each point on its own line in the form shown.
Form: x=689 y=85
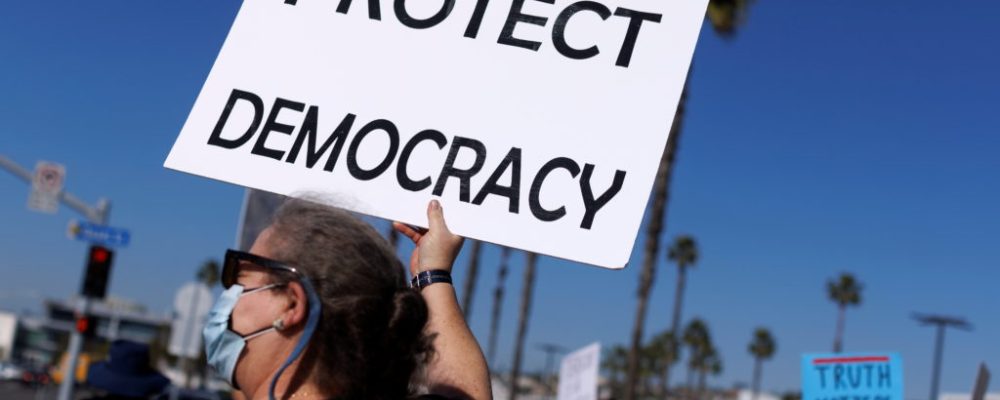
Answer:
x=538 y=123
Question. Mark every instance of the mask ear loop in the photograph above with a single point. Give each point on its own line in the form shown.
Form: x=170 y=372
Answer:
x=307 y=332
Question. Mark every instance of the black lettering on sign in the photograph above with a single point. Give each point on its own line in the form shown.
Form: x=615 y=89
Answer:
x=404 y=157
x=352 y=152
x=317 y=148
x=515 y=16
x=536 y=188
x=308 y=132
x=374 y=9
x=592 y=205
x=511 y=192
x=636 y=18
x=559 y=29
x=472 y=30
x=216 y=138
x=406 y=19
x=464 y=175
x=272 y=125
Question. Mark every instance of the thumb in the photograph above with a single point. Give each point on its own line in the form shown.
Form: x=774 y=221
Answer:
x=435 y=218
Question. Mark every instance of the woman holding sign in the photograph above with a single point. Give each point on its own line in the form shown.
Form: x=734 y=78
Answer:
x=320 y=309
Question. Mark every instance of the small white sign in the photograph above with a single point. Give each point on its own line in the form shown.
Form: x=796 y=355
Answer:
x=539 y=125
x=46 y=185
x=191 y=306
x=578 y=374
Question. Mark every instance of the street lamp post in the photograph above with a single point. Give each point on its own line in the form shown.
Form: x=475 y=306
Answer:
x=941 y=322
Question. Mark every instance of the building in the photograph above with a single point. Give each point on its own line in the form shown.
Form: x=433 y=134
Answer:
x=40 y=340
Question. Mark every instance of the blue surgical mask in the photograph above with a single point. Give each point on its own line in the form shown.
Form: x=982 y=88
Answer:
x=223 y=346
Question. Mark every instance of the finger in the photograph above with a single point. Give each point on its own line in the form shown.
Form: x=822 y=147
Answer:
x=407 y=231
x=435 y=218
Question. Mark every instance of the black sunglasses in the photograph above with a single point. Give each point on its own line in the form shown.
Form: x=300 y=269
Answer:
x=231 y=266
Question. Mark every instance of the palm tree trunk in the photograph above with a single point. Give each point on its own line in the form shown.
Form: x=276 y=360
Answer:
x=838 y=338
x=756 y=376
x=522 y=321
x=497 y=303
x=701 y=384
x=675 y=321
x=472 y=272
x=657 y=213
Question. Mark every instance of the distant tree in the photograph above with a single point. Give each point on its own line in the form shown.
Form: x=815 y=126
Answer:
x=844 y=291
x=615 y=363
x=208 y=273
x=725 y=16
x=699 y=342
x=762 y=347
x=664 y=351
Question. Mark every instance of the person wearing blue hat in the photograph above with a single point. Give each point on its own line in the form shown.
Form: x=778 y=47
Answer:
x=126 y=374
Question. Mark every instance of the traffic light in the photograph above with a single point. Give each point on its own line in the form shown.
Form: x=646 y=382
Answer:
x=95 y=282
x=86 y=325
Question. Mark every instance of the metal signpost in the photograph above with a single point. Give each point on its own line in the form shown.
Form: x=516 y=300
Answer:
x=98 y=215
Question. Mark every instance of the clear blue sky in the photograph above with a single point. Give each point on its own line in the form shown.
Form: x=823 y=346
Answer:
x=826 y=137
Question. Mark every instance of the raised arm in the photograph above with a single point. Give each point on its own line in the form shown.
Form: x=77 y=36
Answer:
x=458 y=368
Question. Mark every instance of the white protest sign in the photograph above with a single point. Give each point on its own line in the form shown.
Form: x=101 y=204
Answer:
x=578 y=374
x=539 y=124
x=46 y=185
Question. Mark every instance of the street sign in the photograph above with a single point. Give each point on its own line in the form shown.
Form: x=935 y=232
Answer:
x=46 y=185
x=578 y=374
x=98 y=234
x=539 y=125
x=873 y=376
x=191 y=306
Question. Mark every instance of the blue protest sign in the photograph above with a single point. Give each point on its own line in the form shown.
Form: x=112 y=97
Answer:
x=98 y=234
x=852 y=376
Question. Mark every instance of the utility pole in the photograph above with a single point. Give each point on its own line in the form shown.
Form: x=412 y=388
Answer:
x=941 y=322
x=99 y=215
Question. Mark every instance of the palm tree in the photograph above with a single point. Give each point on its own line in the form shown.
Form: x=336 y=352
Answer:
x=683 y=252
x=697 y=337
x=209 y=273
x=522 y=320
x=725 y=16
x=762 y=347
x=498 y=302
x=664 y=350
x=614 y=362
x=844 y=291
x=472 y=272
x=710 y=363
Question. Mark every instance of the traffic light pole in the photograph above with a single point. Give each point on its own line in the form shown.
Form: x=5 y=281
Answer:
x=99 y=215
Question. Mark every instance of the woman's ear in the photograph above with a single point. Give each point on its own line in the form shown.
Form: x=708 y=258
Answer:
x=298 y=302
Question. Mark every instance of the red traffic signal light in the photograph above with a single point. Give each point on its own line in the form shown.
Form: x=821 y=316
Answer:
x=95 y=281
x=86 y=325
x=99 y=254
